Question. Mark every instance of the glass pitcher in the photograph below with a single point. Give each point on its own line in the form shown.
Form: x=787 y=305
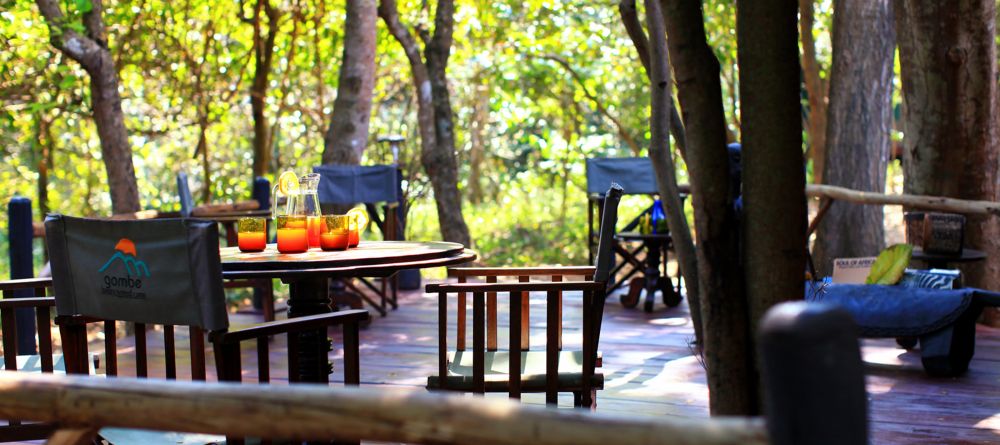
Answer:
x=306 y=203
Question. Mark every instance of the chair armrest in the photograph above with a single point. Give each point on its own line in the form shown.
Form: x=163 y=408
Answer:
x=520 y=271
x=13 y=303
x=25 y=283
x=296 y=324
x=516 y=287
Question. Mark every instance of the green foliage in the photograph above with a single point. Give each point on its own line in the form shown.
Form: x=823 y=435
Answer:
x=888 y=268
x=524 y=124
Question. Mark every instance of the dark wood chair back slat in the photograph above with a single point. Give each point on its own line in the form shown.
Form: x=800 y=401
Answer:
x=169 y=352
x=111 y=347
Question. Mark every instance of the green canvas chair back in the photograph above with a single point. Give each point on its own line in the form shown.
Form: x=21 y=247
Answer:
x=164 y=271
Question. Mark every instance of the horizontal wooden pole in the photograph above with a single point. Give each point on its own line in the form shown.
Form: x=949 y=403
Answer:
x=916 y=202
x=305 y=412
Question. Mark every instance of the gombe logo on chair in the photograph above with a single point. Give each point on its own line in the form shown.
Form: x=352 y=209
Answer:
x=130 y=284
x=142 y=271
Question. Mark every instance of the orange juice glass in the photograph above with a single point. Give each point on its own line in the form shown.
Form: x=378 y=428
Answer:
x=252 y=234
x=353 y=236
x=314 y=226
x=292 y=234
x=335 y=233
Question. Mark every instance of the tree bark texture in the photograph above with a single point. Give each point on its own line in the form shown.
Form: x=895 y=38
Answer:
x=728 y=346
x=263 y=58
x=630 y=18
x=816 y=88
x=437 y=141
x=347 y=135
x=948 y=66
x=859 y=128
x=662 y=158
x=774 y=201
x=92 y=53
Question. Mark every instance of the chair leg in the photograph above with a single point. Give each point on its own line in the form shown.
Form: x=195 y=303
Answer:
x=585 y=399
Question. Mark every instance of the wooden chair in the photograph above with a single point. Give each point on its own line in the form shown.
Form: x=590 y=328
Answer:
x=550 y=371
x=154 y=243
x=26 y=361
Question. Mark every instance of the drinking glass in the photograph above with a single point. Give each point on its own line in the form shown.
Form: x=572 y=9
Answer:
x=335 y=234
x=292 y=234
x=252 y=234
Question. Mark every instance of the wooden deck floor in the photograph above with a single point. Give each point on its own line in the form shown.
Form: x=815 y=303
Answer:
x=650 y=370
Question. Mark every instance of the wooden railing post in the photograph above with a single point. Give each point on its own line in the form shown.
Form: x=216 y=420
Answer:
x=20 y=234
x=814 y=385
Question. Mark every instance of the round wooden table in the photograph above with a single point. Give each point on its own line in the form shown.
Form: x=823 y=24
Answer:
x=654 y=244
x=308 y=275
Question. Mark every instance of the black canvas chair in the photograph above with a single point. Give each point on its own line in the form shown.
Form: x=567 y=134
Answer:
x=636 y=177
x=374 y=186
x=521 y=369
x=164 y=272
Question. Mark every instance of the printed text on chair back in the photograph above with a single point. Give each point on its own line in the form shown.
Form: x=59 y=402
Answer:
x=609 y=219
x=154 y=271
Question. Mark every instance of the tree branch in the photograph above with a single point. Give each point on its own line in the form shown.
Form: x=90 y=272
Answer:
x=80 y=48
x=622 y=131
x=630 y=18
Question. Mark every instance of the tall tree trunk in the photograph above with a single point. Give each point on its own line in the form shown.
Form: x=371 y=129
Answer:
x=656 y=62
x=774 y=201
x=859 y=128
x=728 y=345
x=434 y=116
x=948 y=64
x=477 y=141
x=440 y=164
x=263 y=58
x=92 y=53
x=630 y=18
x=816 y=89
x=347 y=135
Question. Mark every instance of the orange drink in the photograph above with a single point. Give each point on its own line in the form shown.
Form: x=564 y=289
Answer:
x=353 y=238
x=314 y=228
x=251 y=234
x=292 y=234
x=359 y=220
x=334 y=232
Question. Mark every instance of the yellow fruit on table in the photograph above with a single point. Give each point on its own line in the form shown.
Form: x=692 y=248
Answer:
x=288 y=182
x=360 y=216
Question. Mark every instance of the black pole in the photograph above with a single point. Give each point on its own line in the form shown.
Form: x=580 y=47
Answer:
x=814 y=384
x=20 y=234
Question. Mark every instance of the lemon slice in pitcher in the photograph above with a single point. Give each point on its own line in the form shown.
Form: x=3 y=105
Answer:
x=288 y=182
x=359 y=215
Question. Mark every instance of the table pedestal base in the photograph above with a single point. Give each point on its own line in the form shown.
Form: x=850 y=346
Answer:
x=309 y=296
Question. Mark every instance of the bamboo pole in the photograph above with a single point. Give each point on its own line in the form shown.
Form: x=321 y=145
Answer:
x=304 y=412
x=937 y=203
